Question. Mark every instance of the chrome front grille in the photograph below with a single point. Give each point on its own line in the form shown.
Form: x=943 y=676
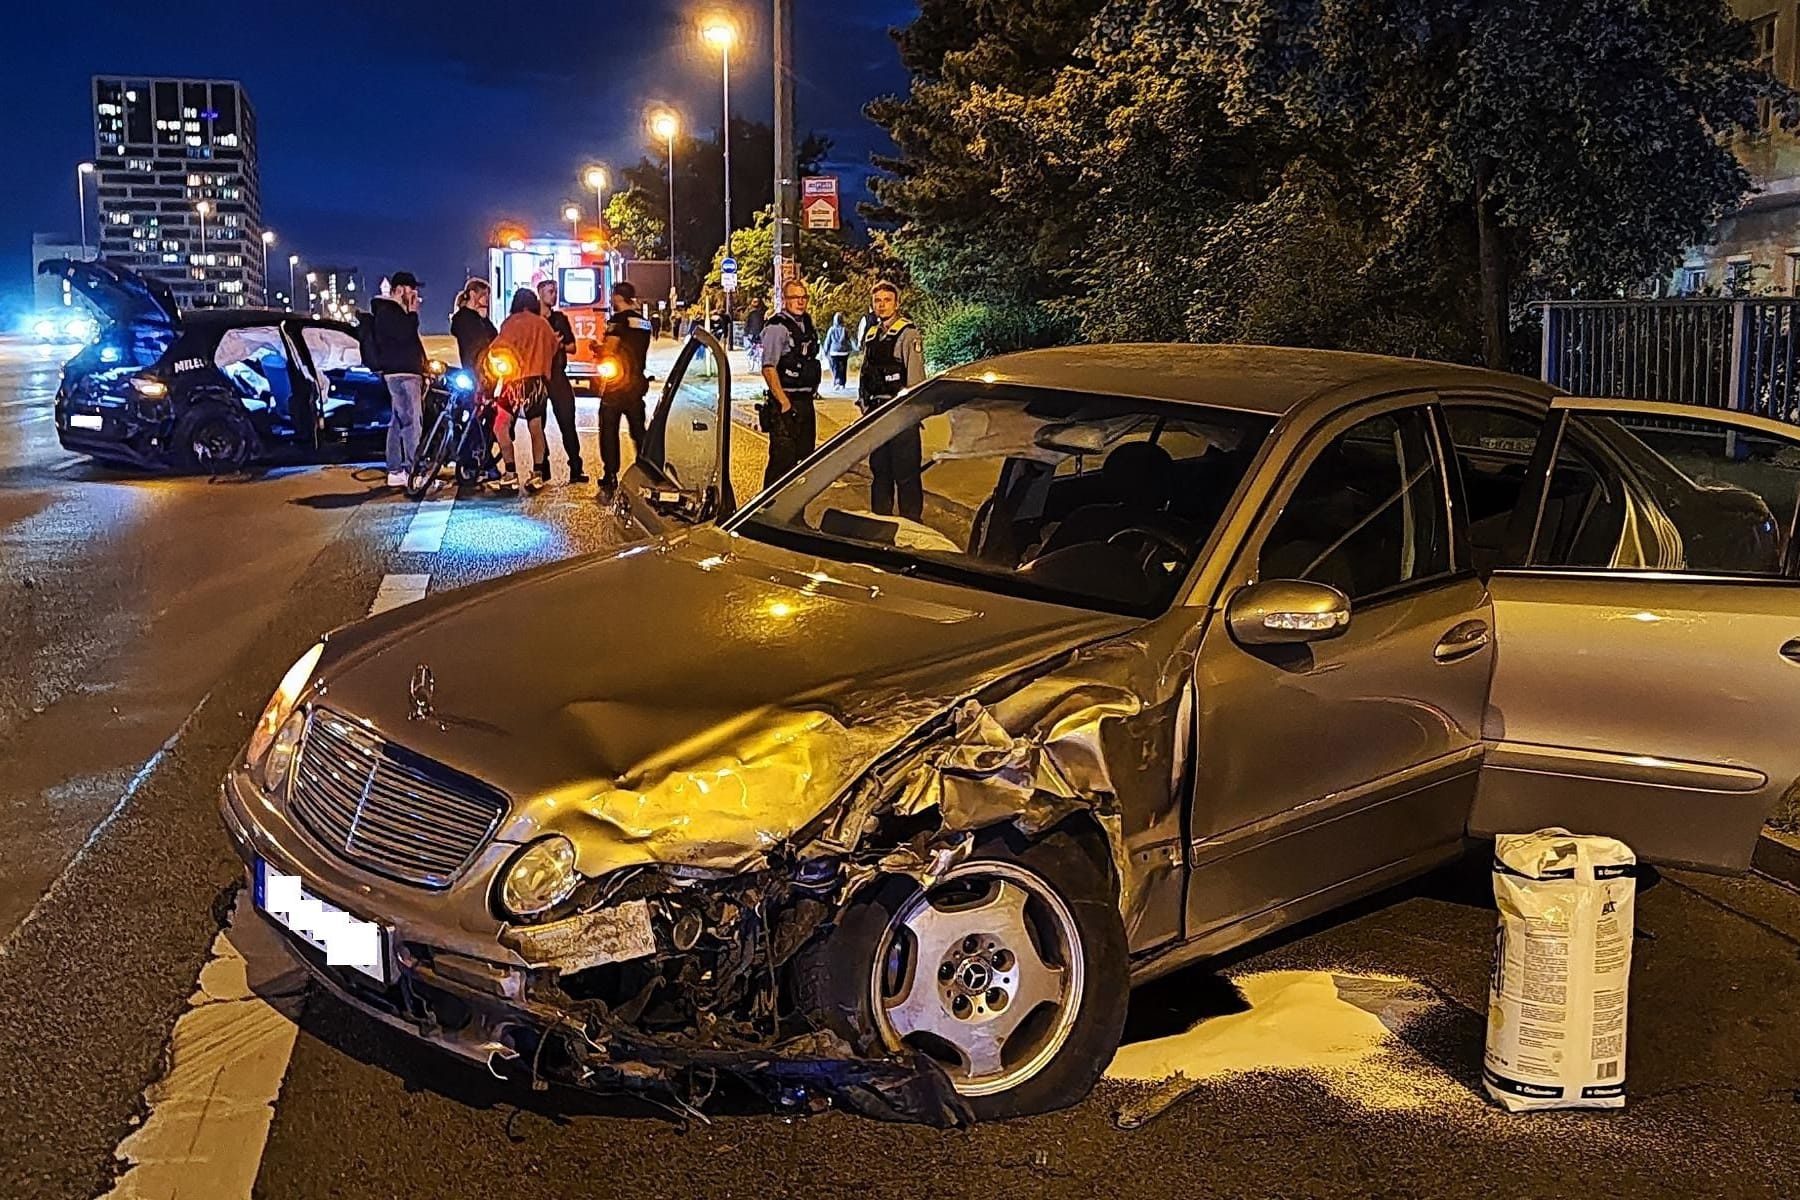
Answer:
x=384 y=808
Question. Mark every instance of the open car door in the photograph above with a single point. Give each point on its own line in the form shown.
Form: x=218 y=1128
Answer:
x=682 y=475
x=1647 y=626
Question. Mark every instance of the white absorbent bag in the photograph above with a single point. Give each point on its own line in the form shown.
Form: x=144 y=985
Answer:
x=1562 y=966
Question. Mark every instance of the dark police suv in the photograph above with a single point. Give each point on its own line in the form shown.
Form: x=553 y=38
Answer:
x=209 y=390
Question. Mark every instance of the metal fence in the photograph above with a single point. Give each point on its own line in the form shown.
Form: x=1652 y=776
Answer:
x=1717 y=353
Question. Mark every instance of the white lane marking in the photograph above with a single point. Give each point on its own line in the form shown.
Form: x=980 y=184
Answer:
x=396 y=590
x=209 y=1113
x=131 y=788
x=425 y=534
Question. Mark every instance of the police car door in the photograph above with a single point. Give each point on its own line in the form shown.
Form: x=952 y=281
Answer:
x=682 y=475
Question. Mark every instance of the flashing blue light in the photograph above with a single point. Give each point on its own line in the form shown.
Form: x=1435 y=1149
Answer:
x=109 y=354
x=462 y=382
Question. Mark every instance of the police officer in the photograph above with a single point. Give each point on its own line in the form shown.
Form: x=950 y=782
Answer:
x=627 y=345
x=562 y=392
x=893 y=360
x=790 y=355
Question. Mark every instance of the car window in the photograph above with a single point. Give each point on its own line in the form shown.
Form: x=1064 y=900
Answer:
x=255 y=359
x=1648 y=492
x=1369 y=513
x=690 y=441
x=1493 y=448
x=332 y=349
x=1082 y=498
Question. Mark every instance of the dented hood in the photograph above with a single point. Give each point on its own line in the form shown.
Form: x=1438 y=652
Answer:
x=695 y=702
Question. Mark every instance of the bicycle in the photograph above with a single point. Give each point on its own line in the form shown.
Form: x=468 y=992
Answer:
x=463 y=416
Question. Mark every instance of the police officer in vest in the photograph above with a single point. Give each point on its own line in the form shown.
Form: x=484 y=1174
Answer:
x=893 y=360
x=623 y=354
x=790 y=354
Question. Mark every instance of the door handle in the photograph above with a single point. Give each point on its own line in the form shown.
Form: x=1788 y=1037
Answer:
x=1470 y=637
x=1791 y=651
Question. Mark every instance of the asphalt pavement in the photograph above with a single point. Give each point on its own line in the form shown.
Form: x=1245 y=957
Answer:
x=145 y=621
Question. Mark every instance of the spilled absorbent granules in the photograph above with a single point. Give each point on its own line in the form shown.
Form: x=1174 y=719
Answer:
x=1341 y=1029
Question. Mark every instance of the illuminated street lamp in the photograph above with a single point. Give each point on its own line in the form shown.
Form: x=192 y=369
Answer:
x=268 y=239
x=595 y=177
x=312 y=301
x=720 y=31
x=81 y=173
x=665 y=124
x=572 y=214
x=293 y=285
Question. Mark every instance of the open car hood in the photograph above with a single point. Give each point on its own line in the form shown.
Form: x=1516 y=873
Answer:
x=693 y=703
x=121 y=293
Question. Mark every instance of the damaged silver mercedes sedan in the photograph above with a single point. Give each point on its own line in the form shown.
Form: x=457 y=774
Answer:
x=887 y=786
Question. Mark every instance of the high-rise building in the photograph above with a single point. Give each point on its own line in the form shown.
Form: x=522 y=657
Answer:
x=180 y=196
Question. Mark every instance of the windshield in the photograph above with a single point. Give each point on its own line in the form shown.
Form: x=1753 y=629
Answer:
x=1097 y=501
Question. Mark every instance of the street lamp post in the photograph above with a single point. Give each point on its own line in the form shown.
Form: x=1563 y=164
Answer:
x=572 y=214
x=293 y=284
x=665 y=124
x=720 y=32
x=81 y=174
x=268 y=239
x=311 y=300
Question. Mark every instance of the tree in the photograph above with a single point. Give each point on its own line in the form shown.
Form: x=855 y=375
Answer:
x=940 y=193
x=634 y=223
x=642 y=206
x=1374 y=174
x=825 y=257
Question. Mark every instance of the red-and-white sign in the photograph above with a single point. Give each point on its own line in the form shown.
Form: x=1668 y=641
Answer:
x=819 y=202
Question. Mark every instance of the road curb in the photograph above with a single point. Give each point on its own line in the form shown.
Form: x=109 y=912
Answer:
x=1778 y=856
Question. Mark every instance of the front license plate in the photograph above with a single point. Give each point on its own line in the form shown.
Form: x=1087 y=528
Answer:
x=86 y=421
x=345 y=940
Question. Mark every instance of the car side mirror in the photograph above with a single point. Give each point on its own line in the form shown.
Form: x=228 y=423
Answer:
x=1281 y=612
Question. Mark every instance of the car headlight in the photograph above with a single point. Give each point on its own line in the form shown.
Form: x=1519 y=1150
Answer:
x=540 y=877
x=152 y=389
x=280 y=759
x=79 y=328
x=45 y=329
x=281 y=704
x=462 y=382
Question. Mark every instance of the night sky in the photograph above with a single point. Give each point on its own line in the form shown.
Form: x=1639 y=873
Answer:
x=395 y=133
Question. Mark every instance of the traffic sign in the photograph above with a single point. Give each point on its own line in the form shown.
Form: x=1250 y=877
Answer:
x=819 y=201
x=728 y=274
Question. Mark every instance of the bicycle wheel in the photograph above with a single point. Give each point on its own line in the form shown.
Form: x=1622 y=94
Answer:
x=434 y=451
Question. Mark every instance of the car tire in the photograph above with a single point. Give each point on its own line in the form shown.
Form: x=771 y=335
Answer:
x=858 y=979
x=212 y=439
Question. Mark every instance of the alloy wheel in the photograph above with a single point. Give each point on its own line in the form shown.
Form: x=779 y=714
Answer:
x=985 y=973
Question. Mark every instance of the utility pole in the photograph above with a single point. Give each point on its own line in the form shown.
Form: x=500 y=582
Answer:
x=787 y=234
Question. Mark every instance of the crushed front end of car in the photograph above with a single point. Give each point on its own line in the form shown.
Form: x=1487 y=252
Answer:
x=667 y=924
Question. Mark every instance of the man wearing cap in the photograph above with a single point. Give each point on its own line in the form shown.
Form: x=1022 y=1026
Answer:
x=400 y=360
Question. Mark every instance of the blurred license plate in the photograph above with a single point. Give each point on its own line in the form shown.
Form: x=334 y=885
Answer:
x=86 y=421
x=345 y=940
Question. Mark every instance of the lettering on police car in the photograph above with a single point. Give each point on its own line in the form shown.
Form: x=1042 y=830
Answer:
x=189 y=364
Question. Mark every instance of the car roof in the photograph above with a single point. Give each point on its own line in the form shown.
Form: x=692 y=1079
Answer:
x=1273 y=380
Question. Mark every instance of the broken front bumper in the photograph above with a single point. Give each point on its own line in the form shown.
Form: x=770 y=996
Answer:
x=462 y=989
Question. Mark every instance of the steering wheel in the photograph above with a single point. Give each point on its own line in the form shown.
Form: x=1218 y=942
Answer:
x=1154 y=538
